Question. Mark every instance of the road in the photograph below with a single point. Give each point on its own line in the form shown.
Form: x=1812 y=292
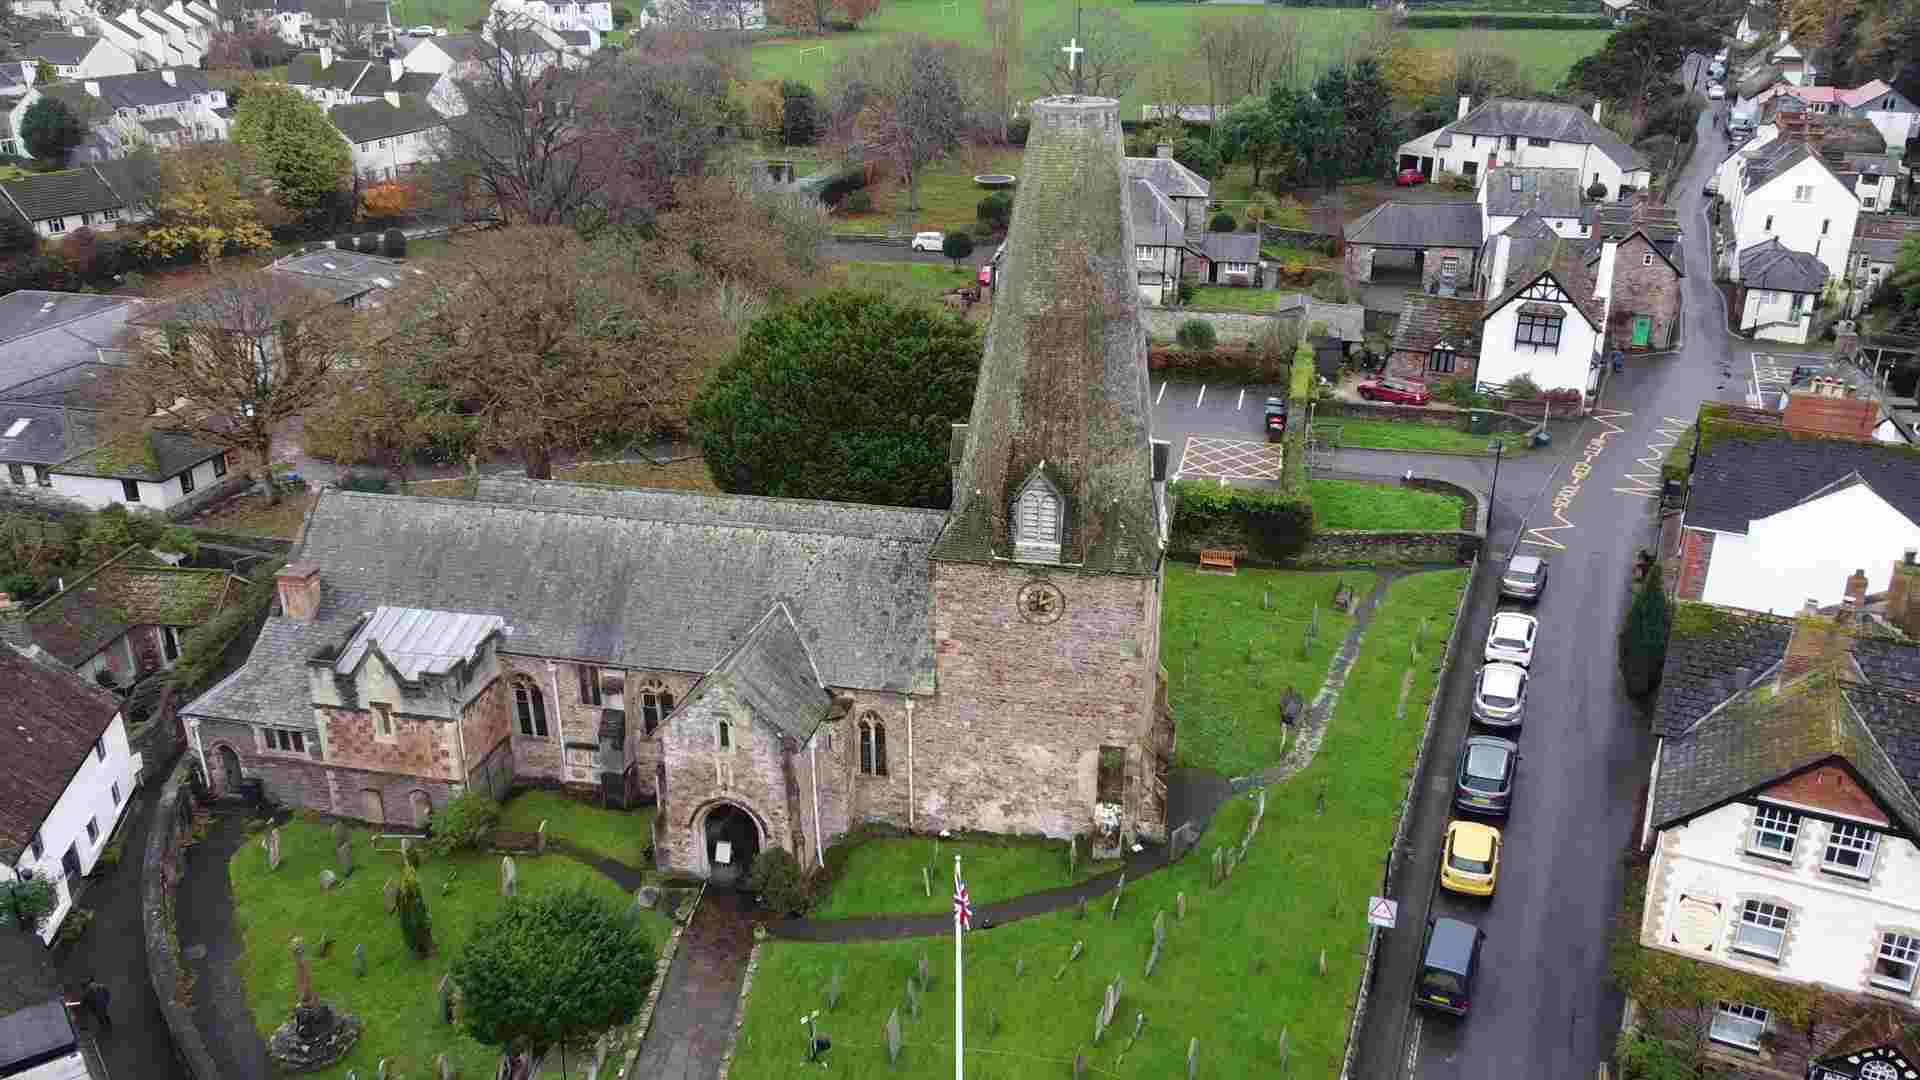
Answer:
x=1544 y=1005
x=846 y=251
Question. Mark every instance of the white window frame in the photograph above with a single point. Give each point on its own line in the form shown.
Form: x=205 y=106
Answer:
x=1846 y=840
x=1803 y=193
x=1733 y=1024
x=1646 y=259
x=1896 y=948
x=1773 y=821
x=1866 y=202
x=1755 y=932
x=382 y=719
x=57 y=225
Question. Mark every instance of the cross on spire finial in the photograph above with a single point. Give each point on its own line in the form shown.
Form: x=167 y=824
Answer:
x=1073 y=50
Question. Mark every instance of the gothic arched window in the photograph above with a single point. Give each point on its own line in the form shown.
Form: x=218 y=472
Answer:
x=873 y=745
x=529 y=706
x=656 y=702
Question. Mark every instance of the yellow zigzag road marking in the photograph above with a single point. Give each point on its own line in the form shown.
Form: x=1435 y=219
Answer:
x=1647 y=484
x=1576 y=476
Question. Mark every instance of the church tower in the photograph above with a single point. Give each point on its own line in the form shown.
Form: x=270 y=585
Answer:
x=1046 y=580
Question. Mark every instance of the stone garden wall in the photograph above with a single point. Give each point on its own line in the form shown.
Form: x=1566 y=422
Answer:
x=160 y=870
x=1231 y=329
x=1352 y=548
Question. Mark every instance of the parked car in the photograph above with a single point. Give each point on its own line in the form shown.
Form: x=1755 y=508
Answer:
x=1410 y=178
x=1483 y=784
x=1276 y=418
x=1721 y=56
x=1394 y=391
x=1525 y=578
x=1449 y=964
x=1500 y=695
x=985 y=277
x=929 y=241
x=1716 y=92
x=1510 y=638
x=1470 y=861
x=1805 y=373
x=421 y=31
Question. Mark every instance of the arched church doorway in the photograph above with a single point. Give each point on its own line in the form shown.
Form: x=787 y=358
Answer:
x=230 y=774
x=732 y=839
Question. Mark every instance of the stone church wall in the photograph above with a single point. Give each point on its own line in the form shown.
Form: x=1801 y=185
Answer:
x=643 y=749
x=420 y=746
x=751 y=773
x=485 y=730
x=1013 y=743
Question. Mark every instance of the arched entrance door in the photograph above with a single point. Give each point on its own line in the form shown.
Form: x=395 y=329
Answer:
x=230 y=775
x=732 y=839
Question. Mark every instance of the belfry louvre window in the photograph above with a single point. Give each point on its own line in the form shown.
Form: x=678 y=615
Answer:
x=1039 y=518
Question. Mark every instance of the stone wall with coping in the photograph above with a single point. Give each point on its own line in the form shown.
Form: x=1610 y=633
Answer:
x=1231 y=329
x=1357 y=548
x=160 y=871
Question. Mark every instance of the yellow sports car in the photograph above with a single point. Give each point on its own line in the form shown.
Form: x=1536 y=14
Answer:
x=1471 y=862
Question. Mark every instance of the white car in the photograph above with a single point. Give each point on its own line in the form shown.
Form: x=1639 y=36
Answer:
x=1510 y=638
x=421 y=31
x=1721 y=56
x=1716 y=92
x=929 y=241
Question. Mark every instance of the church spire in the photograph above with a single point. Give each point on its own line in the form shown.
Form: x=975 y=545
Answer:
x=1056 y=465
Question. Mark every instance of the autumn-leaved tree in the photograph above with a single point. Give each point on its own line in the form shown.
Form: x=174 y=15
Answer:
x=388 y=200
x=232 y=363
x=208 y=201
x=294 y=144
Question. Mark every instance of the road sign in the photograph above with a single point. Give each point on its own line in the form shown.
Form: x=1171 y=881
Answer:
x=1383 y=912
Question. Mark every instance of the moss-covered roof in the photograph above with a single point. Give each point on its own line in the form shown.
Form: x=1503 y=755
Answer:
x=133 y=589
x=153 y=456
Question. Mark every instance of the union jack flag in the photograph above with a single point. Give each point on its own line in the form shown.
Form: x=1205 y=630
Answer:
x=962 y=907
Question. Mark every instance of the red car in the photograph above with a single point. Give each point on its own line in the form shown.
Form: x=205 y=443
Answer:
x=1410 y=177
x=1394 y=391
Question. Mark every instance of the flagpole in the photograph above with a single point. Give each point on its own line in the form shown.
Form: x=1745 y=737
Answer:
x=959 y=1014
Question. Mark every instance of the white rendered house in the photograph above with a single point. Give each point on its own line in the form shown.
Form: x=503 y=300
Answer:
x=1785 y=192
x=1779 y=289
x=1795 y=554
x=1548 y=322
x=76 y=55
x=168 y=470
x=72 y=776
x=1535 y=134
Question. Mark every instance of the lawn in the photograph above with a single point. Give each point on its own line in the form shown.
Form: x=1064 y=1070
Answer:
x=1394 y=435
x=1228 y=298
x=1232 y=644
x=253 y=515
x=949 y=199
x=902 y=280
x=1543 y=55
x=619 y=835
x=880 y=875
x=396 y=998
x=1359 y=504
x=1242 y=968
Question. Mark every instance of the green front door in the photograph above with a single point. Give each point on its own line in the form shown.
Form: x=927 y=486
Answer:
x=1642 y=330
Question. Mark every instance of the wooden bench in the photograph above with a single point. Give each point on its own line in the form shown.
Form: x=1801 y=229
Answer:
x=1217 y=559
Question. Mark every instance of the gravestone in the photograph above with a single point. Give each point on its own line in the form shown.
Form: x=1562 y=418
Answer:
x=540 y=838
x=647 y=896
x=1080 y=908
x=446 y=998
x=1230 y=862
x=273 y=849
x=360 y=959
x=1073 y=855
x=443 y=1068
x=1180 y=905
x=340 y=833
x=327 y=879
x=600 y=1047
x=993 y=1021
x=391 y=890
x=1139 y=1024
x=1071 y=957
x=1193 y=1058
x=1114 y=911
x=1079 y=1066
x=913 y=997
x=893 y=1035
x=1153 y=957
x=302 y=974
x=1019 y=966
x=926 y=882
x=382 y=1074
x=343 y=858
x=353 y=1074
x=509 y=877
x=926 y=982
x=1219 y=857
x=833 y=990
x=1159 y=927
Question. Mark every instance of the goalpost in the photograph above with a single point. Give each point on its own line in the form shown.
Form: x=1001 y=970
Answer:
x=950 y=7
x=817 y=50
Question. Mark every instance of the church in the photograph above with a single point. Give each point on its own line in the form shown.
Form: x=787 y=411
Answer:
x=770 y=673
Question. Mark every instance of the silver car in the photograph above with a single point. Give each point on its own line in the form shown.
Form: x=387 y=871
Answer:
x=1500 y=695
x=1525 y=578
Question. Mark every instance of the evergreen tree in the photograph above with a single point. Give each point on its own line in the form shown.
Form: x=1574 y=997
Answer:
x=416 y=926
x=50 y=130
x=1643 y=640
x=296 y=145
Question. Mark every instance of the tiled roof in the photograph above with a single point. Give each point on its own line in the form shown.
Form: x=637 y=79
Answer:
x=1395 y=224
x=42 y=333
x=137 y=89
x=1169 y=177
x=1542 y=120
x=1707 y=649
x=1773 y=265
x=54 y=718
x=51 y=434
x=1427 y=321
x=1513 y=190
x=370 y=120
x=44 y=196
x=772 y=673
x=1743 y=474
x=152 y=455
x=93 y=611
x=1242 y=247
x=1155 y=220
x=1558 y=256
x=60 y=50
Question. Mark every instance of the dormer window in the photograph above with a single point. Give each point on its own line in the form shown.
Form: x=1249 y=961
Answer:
x=1036 y=522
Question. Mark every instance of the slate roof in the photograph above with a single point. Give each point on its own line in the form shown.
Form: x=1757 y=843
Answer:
x=1659 y=225
x=1528 y=226
x=1548 y=192
x=305 y=70
x=165 y=125
x=578 y=39
x=128 y=591
x=44 y=196
x=132 y=91
x=1773 y=158
x=38 y=1035
x=461 y=47
x=1701 y=666
x=1168 y=177
x=519 y=42
x=1558 y=256
x=1242 y=247
x=1879 y=236
x=592 y=573
x=417 y=641
x=772 y=673
x=343 y=275
x=1740 y=477
x=42 y=333
x=1773 y=265
x=153 y=456
x=1542 y=120
x=60 y=50
x=1346 y=322
x=1427 y=321
x=1396 y=224
x=51 y=435
x=370 y=120
x=1156 y=222
x=1759 y=82
x=54 y=718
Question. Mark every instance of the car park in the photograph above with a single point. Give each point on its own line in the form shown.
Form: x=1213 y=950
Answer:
x=1500 y=695
x=1483 y=783
x=1410 y=178
x=1470 y=860
x=929 y=241
x=1449 y=966
x=1805 y=373
x=1510 y=638
x=1276 y=421
x=1394 y=391
x=1525 y=578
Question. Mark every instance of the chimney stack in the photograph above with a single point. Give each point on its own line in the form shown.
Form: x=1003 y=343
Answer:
x=1597 y=106
x=170 y=76
x=92 y=88
x=1811 y=636
x=1901 y=593
x=299 y=588
x=1466 y=105
x=1857 y=588
x=395 y=69
x=1164 y=151
x=326 y=57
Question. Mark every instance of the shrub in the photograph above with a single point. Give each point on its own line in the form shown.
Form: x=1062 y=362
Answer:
x=1597 y=191
x=1643 y=640
x=1222 y=222
x=369 y=482
x=1198 y=155
x=21 y=587
x=73 y=926
x=416 y=926
x=1186 y=293
x=775 y=877
x=1017 y=131
x=25 y=904
x=396 y=244
x=1523 y=388
x=858 y=203
x=957 y=246
x=464 y=824
x=995 y=211
x=1270 y=525
x=1196 y=334
x=1644 y=1057
x=799 y=111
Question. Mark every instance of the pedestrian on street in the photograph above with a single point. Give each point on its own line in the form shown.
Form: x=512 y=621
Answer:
x=99 y=998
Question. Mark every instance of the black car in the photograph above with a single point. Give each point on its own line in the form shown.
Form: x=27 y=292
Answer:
x=1483 y=784
x=1525 y=578
x=1448 y=963
x=1276 y=418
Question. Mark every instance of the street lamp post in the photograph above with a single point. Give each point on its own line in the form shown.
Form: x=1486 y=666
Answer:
x=1499 y=447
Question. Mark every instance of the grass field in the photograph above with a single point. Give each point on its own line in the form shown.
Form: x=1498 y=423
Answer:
x=1241 y=969
x=1355 y=504
x=1543 y=55
x=1228 y=298
x=1232 y=644
x=396 y=998
x=881 y=875
x=949 y=199
x=900 y=280
x=1392 y=435
x=619 y=835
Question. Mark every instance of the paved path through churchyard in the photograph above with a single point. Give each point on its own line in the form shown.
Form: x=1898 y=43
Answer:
x=690 y=1025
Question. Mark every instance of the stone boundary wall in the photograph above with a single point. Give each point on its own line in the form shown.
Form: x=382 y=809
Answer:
x=740 y=1011
x=160 y=869
x=1349 y=548
x=1231 y=329
x=1400 y=827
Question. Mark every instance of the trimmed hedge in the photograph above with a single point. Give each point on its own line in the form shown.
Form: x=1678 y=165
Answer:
x=1460 y=20
x=1269 y=525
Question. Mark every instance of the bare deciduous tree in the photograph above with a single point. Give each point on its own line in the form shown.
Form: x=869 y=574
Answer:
x=1115 y=52
x=1272 y=51
x=906 y=102
x=1002 y=19
x=1218 y=48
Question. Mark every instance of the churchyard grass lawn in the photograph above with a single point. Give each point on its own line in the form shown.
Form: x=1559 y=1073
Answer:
x=1394 y=435
x=396 y=998
x=902 y=280
x=619 y=835
x=1228 y=658
x=1356 y=504
x=1228 y=298
x=880 y=875
x=1242 y=968
x=949 y=199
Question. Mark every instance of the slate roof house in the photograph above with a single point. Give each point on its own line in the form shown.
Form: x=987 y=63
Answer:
x=1778 y=290
x=824 y=665
x=127 y=616
x=1437 y=337
x=1509 y=192
x=1441 y=240
x=332 y=80
x=1876 y=248
x=1647 y=268
x=78 y=56
x=59 y=203
x=389 y=136
x=165 y=108
x=1167 y=208
x=1781 y=825
x=1530 y=133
